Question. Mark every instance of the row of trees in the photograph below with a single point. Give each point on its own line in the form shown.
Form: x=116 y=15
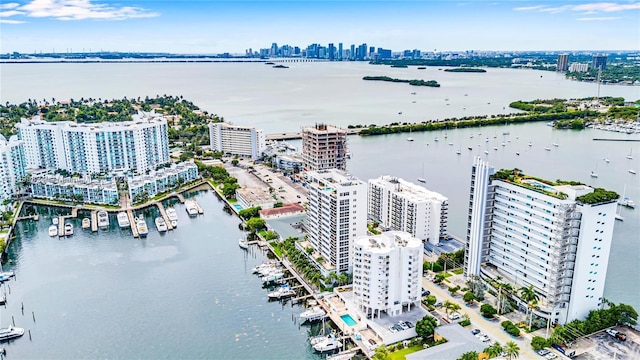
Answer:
x=511 y=350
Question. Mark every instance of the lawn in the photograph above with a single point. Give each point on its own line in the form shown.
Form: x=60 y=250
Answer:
x=458 y=271
x=276 y=248
x=400 y=355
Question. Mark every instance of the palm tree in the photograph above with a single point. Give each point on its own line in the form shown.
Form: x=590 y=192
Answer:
x=494 y=350
x=450 y=307
x=513 y=350
x=528 y=295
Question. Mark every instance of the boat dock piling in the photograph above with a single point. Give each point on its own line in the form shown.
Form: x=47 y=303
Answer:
x=60 y=225
x=163 y=213
x=132 y=220
x=94 y=220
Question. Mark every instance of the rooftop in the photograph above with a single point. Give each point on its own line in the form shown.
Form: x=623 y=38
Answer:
x=459 y=341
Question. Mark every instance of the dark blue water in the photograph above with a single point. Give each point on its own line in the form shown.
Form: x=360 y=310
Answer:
x=186 y=294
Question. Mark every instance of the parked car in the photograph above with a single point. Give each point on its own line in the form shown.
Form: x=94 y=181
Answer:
x=616 y=334
x=454 y=316
x=484 y=338
x=438 y=304
x=475 y=331
x=551 y=356
x=426 y=292
x=543 y=352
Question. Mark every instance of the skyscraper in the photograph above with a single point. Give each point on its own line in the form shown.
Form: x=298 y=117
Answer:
x=599 y=61
x=12 y=166
x=386 y=273
x=336 y=215
x=563 y=62
x=340 y=54
x=552 y=236
x=352 y=55
x=332 y=52
x=400 y=205
x=324 y=147
x=237 y=140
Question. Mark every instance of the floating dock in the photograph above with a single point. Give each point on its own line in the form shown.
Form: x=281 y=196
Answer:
x=94 y=220
x=163 y=213
x=60 y=225
x=134 y=225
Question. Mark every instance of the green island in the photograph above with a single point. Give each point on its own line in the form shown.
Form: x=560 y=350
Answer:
x=414 y=82
x=573 y=114
x=466 y=70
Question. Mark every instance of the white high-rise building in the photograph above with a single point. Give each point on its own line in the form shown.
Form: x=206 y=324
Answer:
x=324 y=147
x=400 y=205
x=336 y=214
x=12 y=166
x=231 y=139
x=140 y=145
x=387 y=270
x=553 y=236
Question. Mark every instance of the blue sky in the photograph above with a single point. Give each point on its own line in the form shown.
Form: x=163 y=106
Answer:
x=208 y=27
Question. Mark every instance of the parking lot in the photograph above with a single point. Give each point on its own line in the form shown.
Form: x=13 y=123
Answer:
x=604 y=346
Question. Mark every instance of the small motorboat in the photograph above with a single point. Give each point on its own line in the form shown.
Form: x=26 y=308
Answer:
x=161 y=225
x=53 y=230
x=86 y=223
x=243 y=244
x=313 y=314
x=10 y=332
x=172 y=215
x=68 y=229
x=143 y=230
x=282 y=293
x=54 y=221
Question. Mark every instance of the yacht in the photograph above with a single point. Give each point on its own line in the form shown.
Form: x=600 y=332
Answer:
x=68 y=229
x=243 y=243
x=593 y=174
x=281 y=293
x=631 y=171
x=191 y=208
x=265 y=265
x=53 y=230
x=161 y=225
x=627 y=203
x=409 y=138
x=327 y=345
x=273 y=276
x=422 y=180
x=173 y=216
x=103 y=219
x=6 y=275
x=143 y=230
x=547 y=148
x=123 y=220
x=86 y=223
x=10 y=332
x=313 y=314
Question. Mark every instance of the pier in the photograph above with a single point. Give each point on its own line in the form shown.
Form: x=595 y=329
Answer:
x=134 y=226
x=180 y=197
x=94 y=220
x=60 y=225
x=200 y=211
x=28 y=217
x=163 y=213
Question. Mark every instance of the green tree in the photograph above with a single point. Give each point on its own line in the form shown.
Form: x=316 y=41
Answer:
x=439 y=278
x=381 y=353
x=431 y=300
x=425 y=327
x=453 y=290
x=487 y=310
x=493 y=350
x=468 y=297
x=450 y=307
x=255 y=224
x=469 y=355
x=513 y=350
x=538 y=342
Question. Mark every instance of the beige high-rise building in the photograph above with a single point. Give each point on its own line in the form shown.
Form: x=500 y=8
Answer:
x=324 y=147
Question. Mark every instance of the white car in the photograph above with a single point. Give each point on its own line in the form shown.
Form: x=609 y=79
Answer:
x=484 y=338
x=551 y=356
x=454 y=316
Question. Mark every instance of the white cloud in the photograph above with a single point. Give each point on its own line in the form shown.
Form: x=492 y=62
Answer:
x=603 y=18
x=593 y=8
x=81 y=10
x=10 y=13
x=9 y=6
x=7 y=21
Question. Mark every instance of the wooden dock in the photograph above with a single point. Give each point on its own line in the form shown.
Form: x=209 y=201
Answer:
x=94 y=220
x=28 y=217
x=163 y=213
x=180 y=197
x=134 y=226
x=200 y=211
x=60 y=225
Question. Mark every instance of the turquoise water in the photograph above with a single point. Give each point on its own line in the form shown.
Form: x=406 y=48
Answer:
x=348 y=320
x=237 y=206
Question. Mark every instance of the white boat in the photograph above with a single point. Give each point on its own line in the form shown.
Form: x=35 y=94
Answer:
x=458 y=152
x=629 y=156
x=593 y=174
x=10 y=332
x=422 y=180
x=243 y=243
x=409 y=138
x=103 y=219
x=327 y=345
x=607 y=160
x=320 y=338
x=161 y=225
x=556 y=144
x=68 y=229
x=313 y=314
x=143 y=230
x=86 y=223
x=173 y=216
x=265 y=265
x=123 y=220
x=190 y=207
x=282 y=292
x=53 y=230
x=625 y=201
x=6 y=275
x=486 y=152
x=54 y=221
x=547 y=148
x=273 y=277
x=631 y=171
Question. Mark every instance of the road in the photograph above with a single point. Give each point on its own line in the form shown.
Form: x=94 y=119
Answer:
x=493 y=329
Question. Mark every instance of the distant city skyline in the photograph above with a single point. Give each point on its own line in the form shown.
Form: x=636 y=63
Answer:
x=212 y=27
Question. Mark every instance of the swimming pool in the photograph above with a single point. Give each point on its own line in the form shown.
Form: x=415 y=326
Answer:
x=348 y=320
x=237 y=206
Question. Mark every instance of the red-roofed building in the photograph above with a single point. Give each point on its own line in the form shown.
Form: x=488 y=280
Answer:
x=285 y=210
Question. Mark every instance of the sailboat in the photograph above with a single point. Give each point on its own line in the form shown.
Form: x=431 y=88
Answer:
x=594 y=174
x=409 y=138
x=619 y=217
x=422 y=179
x=242 y=242
x=625 y=201
x=629 y=156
